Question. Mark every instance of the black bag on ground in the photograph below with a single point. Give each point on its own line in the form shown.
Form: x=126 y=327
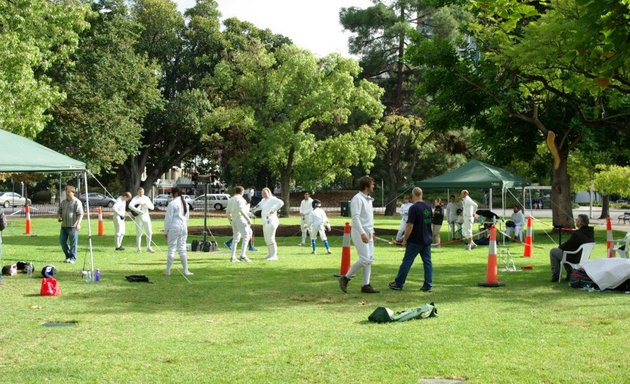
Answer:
x=203 y=246
x=137 y=279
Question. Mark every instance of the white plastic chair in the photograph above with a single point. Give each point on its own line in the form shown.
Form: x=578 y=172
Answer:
x=625 y=243
x=586 y=249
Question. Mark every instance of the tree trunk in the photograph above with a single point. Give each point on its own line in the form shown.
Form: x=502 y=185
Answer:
x=131 y=173
x=285 y=182
x=285 y=185
x=561 y=209
x=605 y=207
x=400 y=65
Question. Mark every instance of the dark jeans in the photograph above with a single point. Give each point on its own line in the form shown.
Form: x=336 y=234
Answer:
x=411 y=251
x=69 y=233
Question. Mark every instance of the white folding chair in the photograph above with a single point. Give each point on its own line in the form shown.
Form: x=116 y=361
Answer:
x=625 y=244
x=586 y=249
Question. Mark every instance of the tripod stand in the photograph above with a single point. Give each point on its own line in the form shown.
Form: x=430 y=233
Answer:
x=505 y=256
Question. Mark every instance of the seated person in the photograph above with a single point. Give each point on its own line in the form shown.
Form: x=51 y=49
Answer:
x=514 y=226
x=584 y=234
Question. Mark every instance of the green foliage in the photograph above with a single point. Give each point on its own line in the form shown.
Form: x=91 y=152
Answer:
x=612 y=180
x=299 y=108
x=110 y=90
x=35 y=36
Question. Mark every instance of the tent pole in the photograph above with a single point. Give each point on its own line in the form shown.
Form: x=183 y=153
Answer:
x=87 y=207
x=490 y=199
x=60 y=188
x=503 y=199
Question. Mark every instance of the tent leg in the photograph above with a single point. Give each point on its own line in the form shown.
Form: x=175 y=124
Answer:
x=87 y=208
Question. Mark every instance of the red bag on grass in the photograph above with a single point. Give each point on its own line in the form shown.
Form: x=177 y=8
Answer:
x=49 y=287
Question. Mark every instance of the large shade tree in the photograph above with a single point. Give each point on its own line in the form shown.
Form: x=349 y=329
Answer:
x=186 y=54
x=310 y=118
x=110 y=89
x=35 y=36
x=509 y=79
x=381 y=34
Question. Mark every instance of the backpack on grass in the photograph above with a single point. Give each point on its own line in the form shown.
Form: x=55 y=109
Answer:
x=579 y=279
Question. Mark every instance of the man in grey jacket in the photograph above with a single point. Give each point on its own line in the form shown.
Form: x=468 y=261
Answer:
x=70 y=214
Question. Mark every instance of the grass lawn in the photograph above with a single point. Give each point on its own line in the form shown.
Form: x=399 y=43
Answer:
x=288 y=322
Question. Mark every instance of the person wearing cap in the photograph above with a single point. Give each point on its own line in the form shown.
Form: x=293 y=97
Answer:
x=269 y=206
x=319 y=225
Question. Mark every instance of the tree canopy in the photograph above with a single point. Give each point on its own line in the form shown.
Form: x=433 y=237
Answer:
x=35 y=37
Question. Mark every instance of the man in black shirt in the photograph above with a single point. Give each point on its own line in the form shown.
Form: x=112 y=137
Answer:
x=584 y=234
x=417 y=240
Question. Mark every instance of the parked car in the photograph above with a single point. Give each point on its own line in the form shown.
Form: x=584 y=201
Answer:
x=189 y=199
x=217 y=201
x=98 y=200
x=12 y=199
x=161 y=200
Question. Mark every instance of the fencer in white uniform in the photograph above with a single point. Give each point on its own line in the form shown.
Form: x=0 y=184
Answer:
x=404 y=213
x=176 y=231
x=469 y=207
x=452 y=217
x=518 y=220
x=139 y=207
x=120 y=211
x=319 y=225
x=269 y=207
x=237 y=212
x=362 y=235
x=306 y=208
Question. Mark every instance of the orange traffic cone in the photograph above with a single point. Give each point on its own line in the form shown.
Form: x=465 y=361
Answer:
x=27 y=210
x=491 y=273
x=527 y=251
x=345 y=252
x=609 y=238
x=101 y=227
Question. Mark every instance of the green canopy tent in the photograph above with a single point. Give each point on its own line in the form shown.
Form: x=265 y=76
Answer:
x=19 y=154
x=476 y=174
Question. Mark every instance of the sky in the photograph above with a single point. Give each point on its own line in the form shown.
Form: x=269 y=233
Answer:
x=310 y=24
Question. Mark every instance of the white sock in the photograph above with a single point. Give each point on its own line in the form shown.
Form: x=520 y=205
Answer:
x=367 y=272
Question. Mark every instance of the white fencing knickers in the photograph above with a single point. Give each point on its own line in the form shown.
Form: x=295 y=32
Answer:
x=176 y=238
x=270 y=225
x=366 y=256
x=119 y=230
x=143 y=225
x=240 y=229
